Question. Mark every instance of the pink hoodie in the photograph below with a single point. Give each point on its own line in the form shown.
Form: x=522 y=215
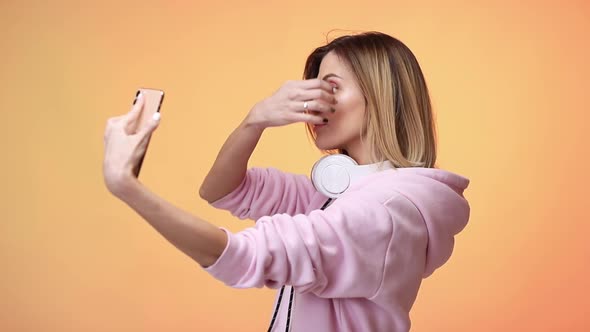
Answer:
x=358 y=264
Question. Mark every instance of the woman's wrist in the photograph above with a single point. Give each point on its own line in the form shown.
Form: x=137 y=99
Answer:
x=126 y=187
x=252 y=122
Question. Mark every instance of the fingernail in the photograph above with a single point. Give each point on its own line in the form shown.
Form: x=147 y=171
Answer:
x=325 y=120
x=156 y=116
x=137 y=96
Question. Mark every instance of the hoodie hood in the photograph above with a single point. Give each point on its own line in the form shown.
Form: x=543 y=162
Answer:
x=438 y=195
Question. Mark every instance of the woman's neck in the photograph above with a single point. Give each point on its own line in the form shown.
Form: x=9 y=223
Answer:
x=359 y=152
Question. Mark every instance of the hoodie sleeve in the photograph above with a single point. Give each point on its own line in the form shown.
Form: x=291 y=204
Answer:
x=337 y=252
x=268 y=191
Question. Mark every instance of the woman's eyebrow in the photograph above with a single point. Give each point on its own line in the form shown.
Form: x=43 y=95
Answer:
x=330 y=75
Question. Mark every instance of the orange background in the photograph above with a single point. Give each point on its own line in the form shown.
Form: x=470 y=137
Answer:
x=508 y=83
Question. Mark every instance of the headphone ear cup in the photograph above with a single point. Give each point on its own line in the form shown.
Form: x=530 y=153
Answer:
x=331 y=174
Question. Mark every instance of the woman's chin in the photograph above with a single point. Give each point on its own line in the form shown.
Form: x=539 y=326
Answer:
x=325 y=145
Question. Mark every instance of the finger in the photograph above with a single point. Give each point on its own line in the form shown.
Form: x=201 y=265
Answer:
x=151 y=125
x=111 y=121
x=316 y=94
x=312 y=105
x=132 y=116
x=310 y=118
x=316 y=83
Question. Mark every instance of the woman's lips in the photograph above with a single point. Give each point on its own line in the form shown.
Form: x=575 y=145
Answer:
x=318 y=126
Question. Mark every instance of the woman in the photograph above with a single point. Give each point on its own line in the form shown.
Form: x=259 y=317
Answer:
x=350 y=264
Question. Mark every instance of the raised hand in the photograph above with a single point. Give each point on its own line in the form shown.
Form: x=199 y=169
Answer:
x=295 y=101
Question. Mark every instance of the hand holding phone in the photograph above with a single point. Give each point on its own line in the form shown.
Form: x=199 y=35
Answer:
x=153 y=99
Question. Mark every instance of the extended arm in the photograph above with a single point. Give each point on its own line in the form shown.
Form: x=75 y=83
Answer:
x=200 y=240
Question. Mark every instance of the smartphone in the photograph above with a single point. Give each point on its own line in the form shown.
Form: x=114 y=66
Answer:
x=153 y=99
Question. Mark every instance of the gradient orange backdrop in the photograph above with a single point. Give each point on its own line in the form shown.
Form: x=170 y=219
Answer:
x=509 y=86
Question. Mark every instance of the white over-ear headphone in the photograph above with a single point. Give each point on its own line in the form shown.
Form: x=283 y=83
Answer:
x=333 y=174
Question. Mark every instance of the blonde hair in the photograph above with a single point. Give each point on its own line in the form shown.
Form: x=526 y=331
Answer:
x=399 y=124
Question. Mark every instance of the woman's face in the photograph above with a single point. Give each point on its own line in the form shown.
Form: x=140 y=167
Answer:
x=344 y=125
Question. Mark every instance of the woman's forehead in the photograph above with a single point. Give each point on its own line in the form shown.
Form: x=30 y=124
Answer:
x=333 y=66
